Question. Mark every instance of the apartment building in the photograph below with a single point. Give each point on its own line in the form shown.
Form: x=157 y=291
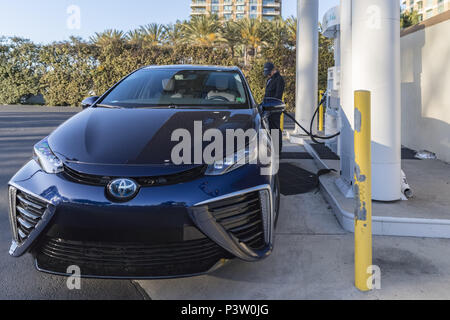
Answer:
x=238 y=9
x=426 y=8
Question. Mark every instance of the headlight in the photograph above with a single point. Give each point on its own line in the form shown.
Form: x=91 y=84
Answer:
x=251 y=154
x=46 y=158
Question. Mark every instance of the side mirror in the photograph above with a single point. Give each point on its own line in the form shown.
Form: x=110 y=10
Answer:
x=273 y=105
x=86 y=103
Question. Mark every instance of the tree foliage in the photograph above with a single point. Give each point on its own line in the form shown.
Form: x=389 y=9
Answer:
x=66 y=72
x=20 y=69
x=409 y=18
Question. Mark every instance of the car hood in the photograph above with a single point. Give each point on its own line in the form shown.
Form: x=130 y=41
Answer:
x=137 y=137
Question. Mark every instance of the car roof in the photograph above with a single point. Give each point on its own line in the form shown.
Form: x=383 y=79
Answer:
x=193 y=67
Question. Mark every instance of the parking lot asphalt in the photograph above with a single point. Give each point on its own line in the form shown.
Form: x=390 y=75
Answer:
x=20 y=128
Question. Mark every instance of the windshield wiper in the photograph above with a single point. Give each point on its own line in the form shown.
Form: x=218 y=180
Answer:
x=108 y=106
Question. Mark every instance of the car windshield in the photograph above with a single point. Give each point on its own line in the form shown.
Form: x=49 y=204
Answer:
x=179 y=88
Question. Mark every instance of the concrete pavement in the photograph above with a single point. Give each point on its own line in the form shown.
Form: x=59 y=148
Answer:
x=313 y=259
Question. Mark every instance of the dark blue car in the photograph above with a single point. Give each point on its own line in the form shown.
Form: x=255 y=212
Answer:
x=107 y=192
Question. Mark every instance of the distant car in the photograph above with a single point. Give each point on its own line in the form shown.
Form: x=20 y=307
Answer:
x=102 y=192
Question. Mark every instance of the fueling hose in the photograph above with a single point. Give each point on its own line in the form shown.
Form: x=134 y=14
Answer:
x=310 y=132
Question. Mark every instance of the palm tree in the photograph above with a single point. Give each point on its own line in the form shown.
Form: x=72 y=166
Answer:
x=291 y=27
x=275 y=32
x=203 y=30
x=174 y=33
x=135 y=37
x=153 y=33
x=251 y=33
x=108 y=37
x=231 y=33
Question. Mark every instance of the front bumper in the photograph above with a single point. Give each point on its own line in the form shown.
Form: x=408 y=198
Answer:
x=169 y=231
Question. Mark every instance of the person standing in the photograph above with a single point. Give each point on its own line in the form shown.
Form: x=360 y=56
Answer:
x=274 y=89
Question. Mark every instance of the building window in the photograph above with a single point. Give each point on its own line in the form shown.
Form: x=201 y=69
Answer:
x=419 y=5
x=440 y=6
x=199 y=10
x=240 y=8
x=268 y=10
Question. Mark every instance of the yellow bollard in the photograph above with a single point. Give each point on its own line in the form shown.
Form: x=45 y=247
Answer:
x=363 y=192
x=321 y=111
x=282 y=122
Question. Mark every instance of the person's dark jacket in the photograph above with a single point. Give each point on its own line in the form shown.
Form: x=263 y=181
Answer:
x=275 y=86
x=275 y=89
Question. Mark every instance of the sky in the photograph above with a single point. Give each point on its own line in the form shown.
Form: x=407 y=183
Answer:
x=45 y=21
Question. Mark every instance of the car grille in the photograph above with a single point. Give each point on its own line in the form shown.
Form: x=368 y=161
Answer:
x=129 y=260
x=242 y=217
x=97 y=180
x=28 y=212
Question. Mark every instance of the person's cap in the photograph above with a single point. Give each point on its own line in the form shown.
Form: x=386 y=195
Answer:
x=268 y=67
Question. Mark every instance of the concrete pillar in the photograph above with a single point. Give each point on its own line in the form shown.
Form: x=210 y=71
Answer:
x=376 y=67
x=307 y=61
x=346 y=138
x=337 y=51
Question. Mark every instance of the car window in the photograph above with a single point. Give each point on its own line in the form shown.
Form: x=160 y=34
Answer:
x=166 y=87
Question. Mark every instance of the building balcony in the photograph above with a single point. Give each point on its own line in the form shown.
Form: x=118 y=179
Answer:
x=271 y=4
x=199 y=4
x=274 y=13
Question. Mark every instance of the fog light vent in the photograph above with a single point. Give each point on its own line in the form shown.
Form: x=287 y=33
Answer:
x=12 y=212
x=266 y=213
x=26 y=212
x=242 y=217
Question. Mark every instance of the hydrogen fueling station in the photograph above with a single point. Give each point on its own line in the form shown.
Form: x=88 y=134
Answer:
x=362 y=126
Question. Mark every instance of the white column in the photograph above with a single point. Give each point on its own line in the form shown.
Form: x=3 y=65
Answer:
x=307 y=61
x=376 y=67
x=347 y=111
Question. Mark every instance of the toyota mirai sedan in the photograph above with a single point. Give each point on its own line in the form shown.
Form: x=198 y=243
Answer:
x=117 y=192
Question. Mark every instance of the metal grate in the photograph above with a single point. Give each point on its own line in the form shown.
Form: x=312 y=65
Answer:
x=28 y=213
x=241 y=216
x=129 y=259
x=97 y=180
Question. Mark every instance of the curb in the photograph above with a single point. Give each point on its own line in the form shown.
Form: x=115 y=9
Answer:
x=381 y=225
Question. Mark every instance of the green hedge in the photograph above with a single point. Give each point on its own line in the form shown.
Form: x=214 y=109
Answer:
x=66 y=72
